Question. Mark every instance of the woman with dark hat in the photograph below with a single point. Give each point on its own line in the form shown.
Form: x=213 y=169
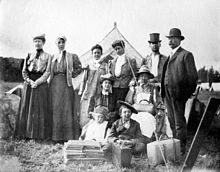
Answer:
x=34 y=120
x=90 y=85
x=105 y=98
x=127 y=131
x=64 y=66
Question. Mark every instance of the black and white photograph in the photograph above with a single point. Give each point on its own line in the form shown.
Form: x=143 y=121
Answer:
x=109 y=85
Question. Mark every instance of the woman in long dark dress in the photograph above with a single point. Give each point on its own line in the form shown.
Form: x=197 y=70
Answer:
x=33 y=120
x=64 y=66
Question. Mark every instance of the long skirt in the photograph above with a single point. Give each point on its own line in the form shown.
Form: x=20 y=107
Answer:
x=65 y=123
x=33 y=119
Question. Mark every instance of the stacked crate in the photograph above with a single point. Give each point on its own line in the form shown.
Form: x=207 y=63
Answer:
x=77 y=150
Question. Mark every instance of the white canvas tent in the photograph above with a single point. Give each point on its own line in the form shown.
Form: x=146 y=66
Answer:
x=86 y=58
x=106 y=43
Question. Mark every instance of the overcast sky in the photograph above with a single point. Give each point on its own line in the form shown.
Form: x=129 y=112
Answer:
x=86 y=22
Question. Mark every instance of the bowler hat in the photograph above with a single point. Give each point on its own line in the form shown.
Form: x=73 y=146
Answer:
x=129 y=106
x=40 y=36
x=120 y=43
x=107 y=76
x=154 y=38
x=144 y=69
x=175 y=32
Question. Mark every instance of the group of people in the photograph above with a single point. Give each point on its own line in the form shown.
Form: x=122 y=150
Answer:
x=113 y=88
x=46 y=108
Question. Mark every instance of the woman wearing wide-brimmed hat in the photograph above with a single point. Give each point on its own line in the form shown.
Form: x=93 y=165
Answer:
x=34 y=120
x=64 y=66
x=106 y=98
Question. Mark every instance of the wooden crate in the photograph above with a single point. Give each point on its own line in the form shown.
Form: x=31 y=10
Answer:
x=82 y=151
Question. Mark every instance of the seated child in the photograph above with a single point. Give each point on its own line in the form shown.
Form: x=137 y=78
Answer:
x=126 y=131
x=97 y=130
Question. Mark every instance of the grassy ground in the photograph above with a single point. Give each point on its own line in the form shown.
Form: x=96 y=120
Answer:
x=22 y=155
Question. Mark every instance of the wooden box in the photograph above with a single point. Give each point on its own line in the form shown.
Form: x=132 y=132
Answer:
x=83 y=151
x=121 y=155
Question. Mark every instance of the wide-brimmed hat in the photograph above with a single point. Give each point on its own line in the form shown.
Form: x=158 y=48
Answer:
x=175 y=32
x=154 y=38
x=128 y=105
x=40 y=36
x=144 y=69
x=107 y=76
x=120 y=43
x=63 y=37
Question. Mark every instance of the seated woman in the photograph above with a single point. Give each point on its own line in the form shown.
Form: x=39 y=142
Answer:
x=98 y=129
x=142 y=99
x=127 y=131
x=105 y=98
x=141 y=95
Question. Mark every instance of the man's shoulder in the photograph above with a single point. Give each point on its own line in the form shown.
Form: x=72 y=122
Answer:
x=129 y=58
x=184 y=51
x=163 y=56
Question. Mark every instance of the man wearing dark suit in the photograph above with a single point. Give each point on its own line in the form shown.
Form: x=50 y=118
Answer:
x=178 y=83
x=155 y=61
x=121 y=68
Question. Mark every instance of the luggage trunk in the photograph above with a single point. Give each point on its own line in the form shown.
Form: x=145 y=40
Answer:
x=170 y=149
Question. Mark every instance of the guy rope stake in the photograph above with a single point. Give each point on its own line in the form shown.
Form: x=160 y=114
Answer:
x=162 y=151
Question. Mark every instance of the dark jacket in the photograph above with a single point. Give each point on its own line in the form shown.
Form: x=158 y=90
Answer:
x=126 y=75
x=111 y=104
x=182 y=75
x=132 y=133
x=148 y=62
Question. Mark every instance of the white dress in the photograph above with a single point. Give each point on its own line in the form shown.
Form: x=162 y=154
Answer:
x=96 y=131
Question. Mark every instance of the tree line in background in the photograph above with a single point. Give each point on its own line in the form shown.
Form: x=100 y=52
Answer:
x=208 y=75
x=10 y=71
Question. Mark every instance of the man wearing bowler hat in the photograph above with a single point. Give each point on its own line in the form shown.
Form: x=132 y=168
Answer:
x=179 y=79
x=155 y=61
